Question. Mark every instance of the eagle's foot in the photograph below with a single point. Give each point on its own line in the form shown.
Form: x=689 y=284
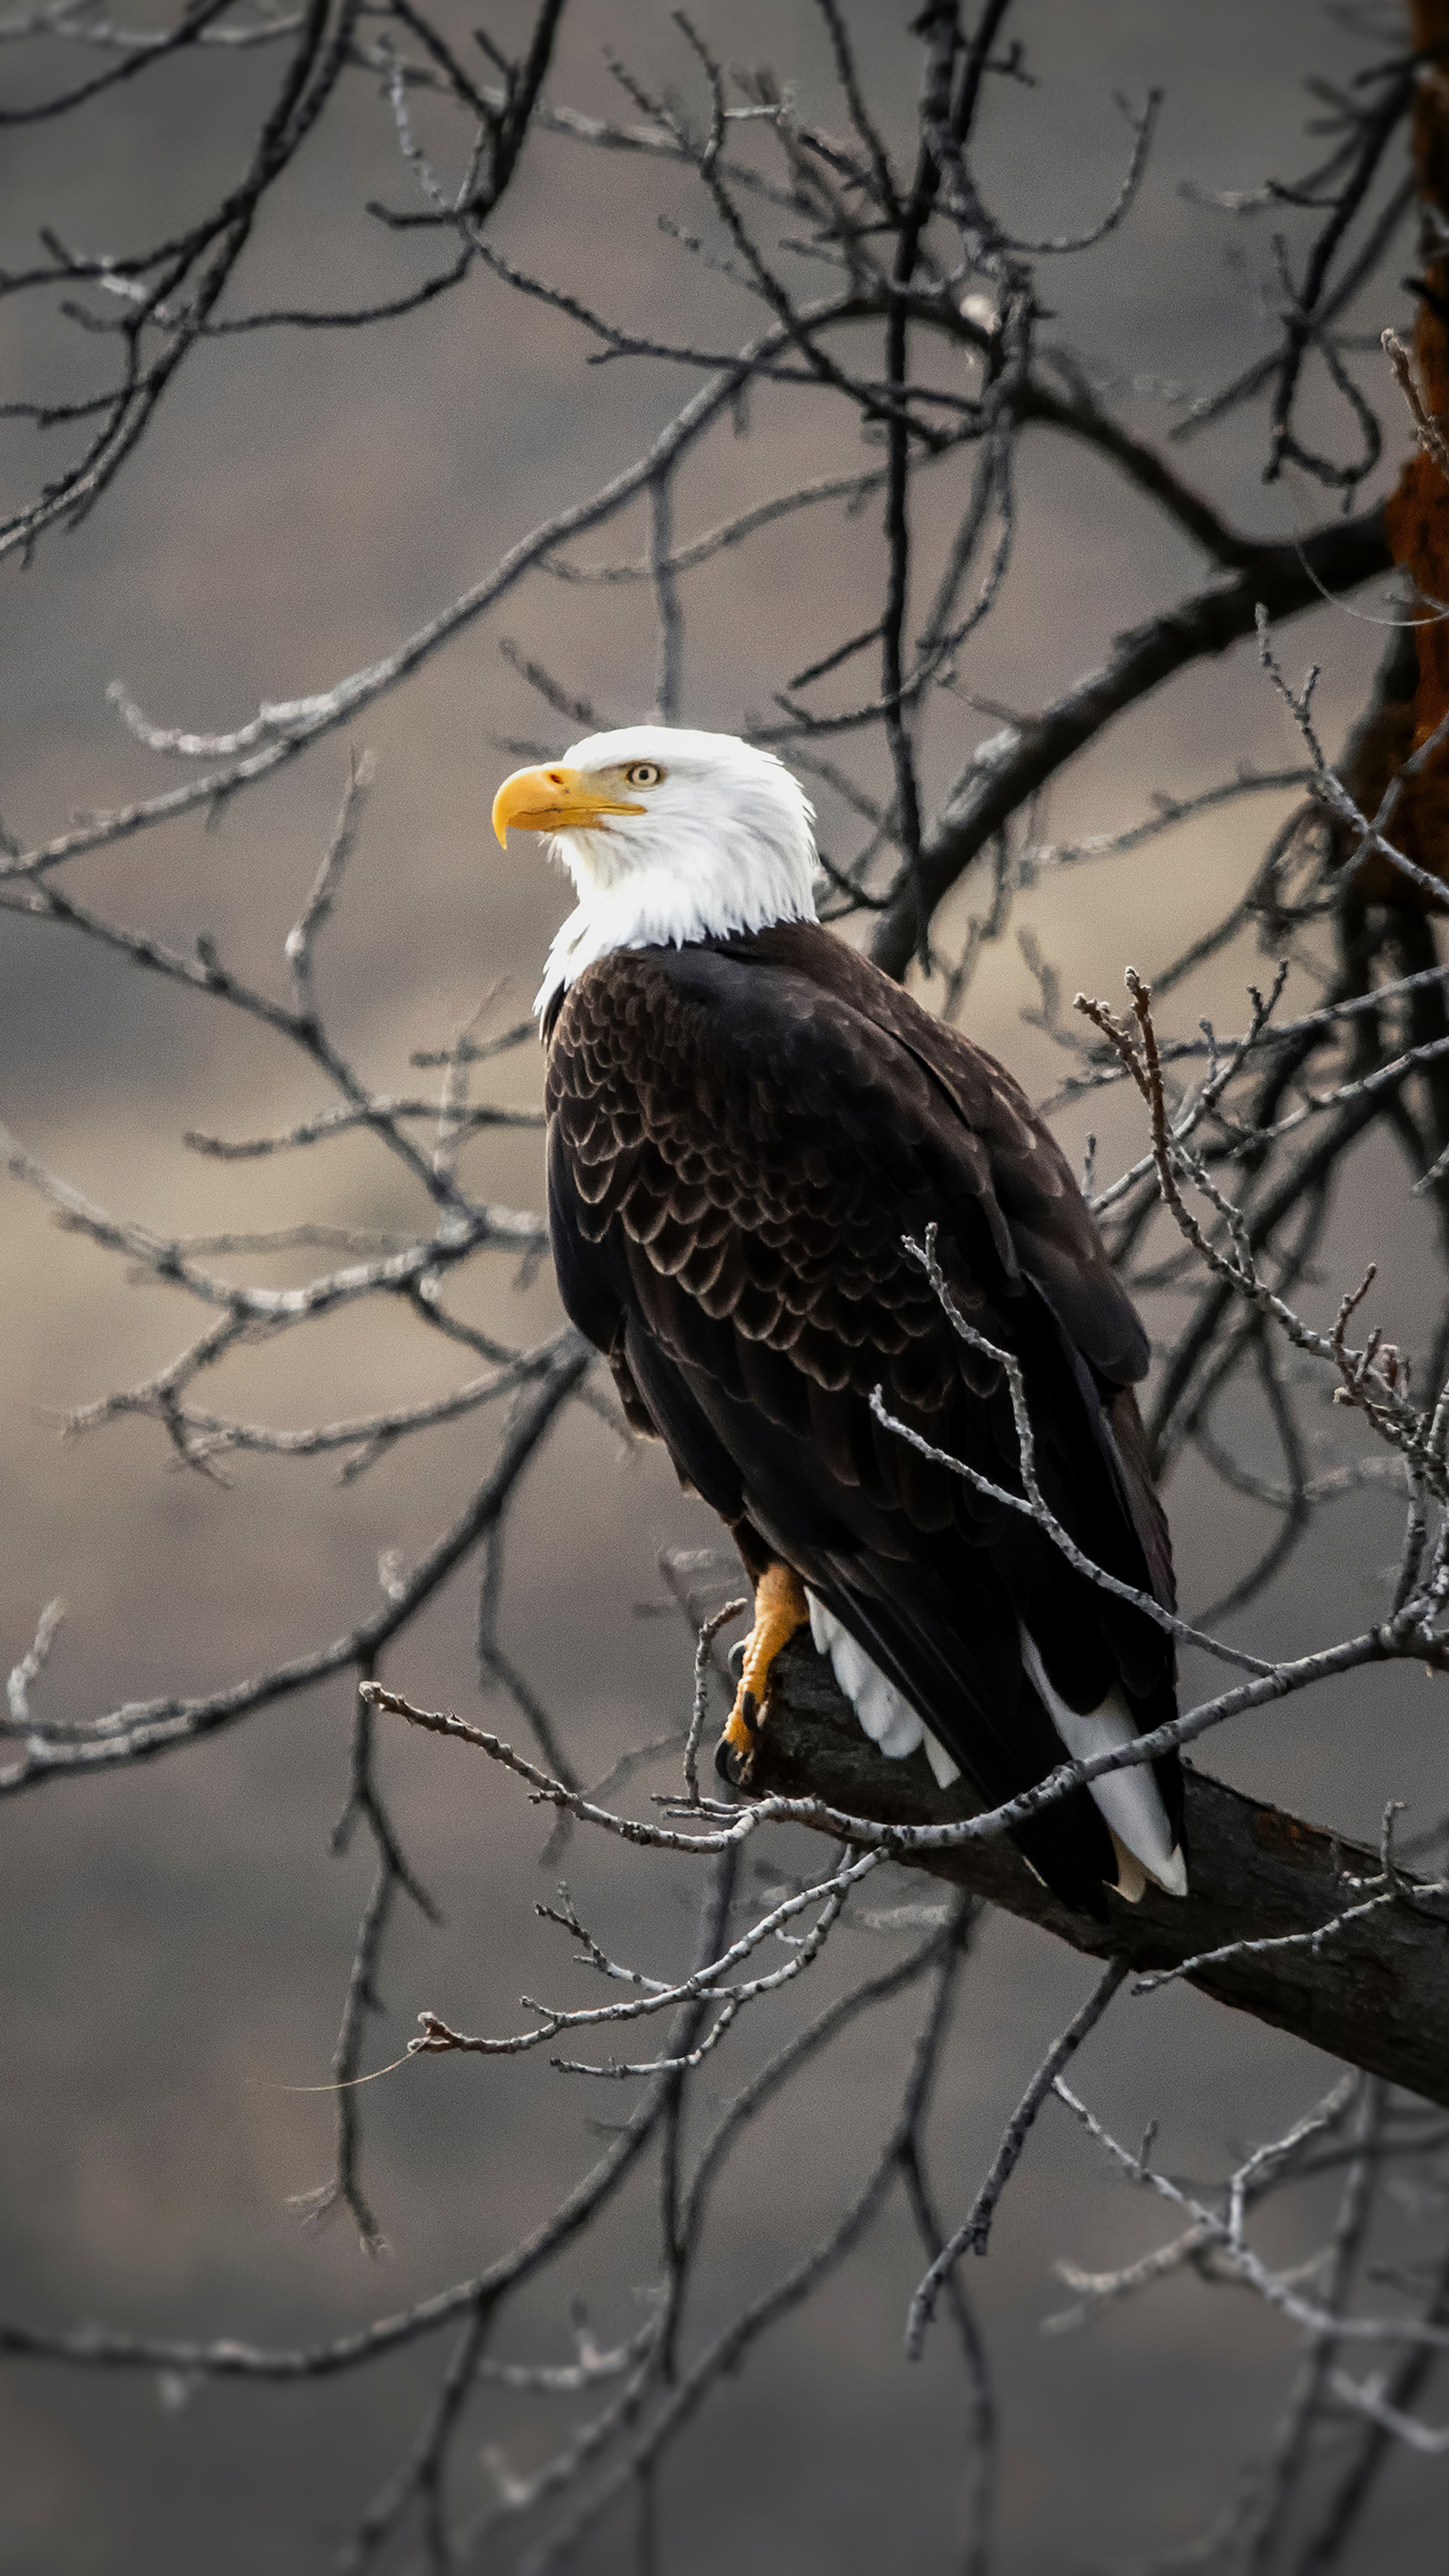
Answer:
x=780 y=1608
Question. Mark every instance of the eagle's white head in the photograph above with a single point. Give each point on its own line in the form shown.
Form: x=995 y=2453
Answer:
x=669 y=836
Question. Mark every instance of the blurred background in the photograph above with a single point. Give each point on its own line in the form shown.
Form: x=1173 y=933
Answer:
x=177 y=1938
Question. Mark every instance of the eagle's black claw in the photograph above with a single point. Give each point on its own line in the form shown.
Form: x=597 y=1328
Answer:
x=734 y=1760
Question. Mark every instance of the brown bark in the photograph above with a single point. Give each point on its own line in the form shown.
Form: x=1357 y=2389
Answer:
x=1375 y=1994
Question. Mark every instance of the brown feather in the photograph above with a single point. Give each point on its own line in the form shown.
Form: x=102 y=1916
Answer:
x=741 y=1133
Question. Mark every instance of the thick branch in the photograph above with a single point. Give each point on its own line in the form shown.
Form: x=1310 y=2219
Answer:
x=1375 y=1993
x=1016 y=764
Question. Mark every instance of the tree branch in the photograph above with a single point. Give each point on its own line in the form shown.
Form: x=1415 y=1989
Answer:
x=1375 y=1994
x=1003 y=772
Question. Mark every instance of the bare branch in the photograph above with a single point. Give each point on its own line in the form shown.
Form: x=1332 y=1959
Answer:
x=975 y=2230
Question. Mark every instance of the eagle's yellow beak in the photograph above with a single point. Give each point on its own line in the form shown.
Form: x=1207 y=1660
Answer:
x=553 y=800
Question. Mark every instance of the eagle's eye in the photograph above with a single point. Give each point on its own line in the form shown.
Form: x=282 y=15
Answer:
x=643 y=773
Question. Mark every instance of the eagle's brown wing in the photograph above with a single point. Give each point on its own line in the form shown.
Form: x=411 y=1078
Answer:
x=740 y=1135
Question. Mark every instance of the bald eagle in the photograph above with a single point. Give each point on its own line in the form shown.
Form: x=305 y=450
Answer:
x=745 y=1120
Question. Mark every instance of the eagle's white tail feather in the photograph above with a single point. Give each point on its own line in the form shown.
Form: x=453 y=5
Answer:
x=1130 y=1802
x=885 y=1713
x=940 y=1760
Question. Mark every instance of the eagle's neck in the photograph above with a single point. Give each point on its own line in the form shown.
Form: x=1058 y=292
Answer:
x=706 y=884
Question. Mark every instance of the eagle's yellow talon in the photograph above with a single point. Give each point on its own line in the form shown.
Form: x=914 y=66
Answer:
x=739 y=1734
x=780 y=1608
